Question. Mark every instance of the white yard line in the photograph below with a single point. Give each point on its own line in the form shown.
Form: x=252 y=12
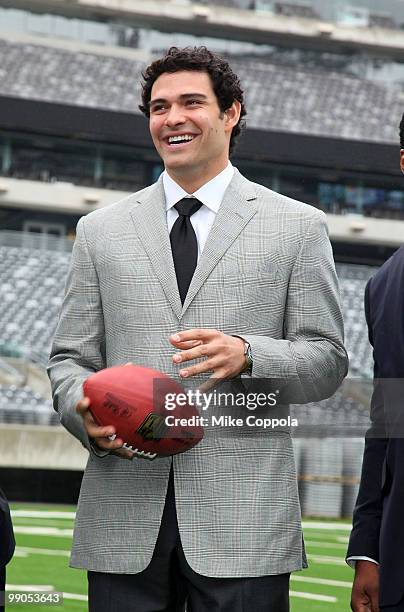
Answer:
x=29 y=587
x=343 y=539
x=49 y=531
x=320 y=544
x=313 y=596
x=43 y=514
x=75 y=596
x=325 y=525
x=25 y=550
x=327 y=560
x=337 y=583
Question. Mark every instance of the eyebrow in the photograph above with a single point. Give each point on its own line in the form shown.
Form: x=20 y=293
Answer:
x=181 y=97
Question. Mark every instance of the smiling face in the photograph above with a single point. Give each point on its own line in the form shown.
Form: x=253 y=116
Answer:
x=188 y=129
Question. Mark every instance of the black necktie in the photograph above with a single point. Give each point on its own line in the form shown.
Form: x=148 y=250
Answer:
x=184 y=245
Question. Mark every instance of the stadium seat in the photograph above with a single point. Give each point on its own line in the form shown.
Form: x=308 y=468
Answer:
x=287 y=90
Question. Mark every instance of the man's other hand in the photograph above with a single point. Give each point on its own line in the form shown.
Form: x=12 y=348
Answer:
x=98 y=434
x=222 y=355
x=365 y=589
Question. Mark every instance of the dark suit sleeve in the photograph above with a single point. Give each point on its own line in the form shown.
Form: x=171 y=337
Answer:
x=364 y=540
x=7 y=542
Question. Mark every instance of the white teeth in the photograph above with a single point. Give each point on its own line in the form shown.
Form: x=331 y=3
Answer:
x=185 y=138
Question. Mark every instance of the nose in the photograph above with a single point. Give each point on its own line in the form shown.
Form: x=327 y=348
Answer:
x=175 y=115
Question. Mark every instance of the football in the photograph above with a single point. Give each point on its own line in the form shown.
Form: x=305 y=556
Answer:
x=134 y=400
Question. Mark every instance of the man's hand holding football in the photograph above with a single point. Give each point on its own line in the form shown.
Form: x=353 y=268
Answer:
x=100 y=434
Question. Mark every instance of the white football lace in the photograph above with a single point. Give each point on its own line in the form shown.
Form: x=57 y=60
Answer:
x=140 y=453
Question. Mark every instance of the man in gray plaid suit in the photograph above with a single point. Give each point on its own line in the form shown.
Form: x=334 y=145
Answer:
x=245 y=286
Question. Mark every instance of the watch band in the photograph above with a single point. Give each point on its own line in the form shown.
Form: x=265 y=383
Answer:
x=248 y=357
x=247 y=354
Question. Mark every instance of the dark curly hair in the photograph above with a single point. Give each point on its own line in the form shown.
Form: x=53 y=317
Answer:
x=225 y=82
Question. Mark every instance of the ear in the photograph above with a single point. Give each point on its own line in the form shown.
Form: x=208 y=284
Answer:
x=232 y=115
x=402 y=160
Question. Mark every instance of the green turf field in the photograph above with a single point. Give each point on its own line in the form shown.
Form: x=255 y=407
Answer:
x=44 y=534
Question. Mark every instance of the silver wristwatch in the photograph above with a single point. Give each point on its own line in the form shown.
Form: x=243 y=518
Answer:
x=248 y=356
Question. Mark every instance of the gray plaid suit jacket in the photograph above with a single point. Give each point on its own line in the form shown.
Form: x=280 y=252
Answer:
x=266 y=273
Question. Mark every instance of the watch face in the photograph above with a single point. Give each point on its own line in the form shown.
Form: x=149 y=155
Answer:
x=249 y=357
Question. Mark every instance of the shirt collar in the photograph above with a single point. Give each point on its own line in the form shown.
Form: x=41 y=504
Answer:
x=210 y=194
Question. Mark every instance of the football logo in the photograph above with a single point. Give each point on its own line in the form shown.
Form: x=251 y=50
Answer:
x=153 y=427
x=118 y=406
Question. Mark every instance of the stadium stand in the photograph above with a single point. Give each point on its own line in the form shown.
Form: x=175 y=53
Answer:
x=23 y=405
x=298 y=100
x=294 y=9
x=353 y=279
x=291 y=99
x=227 y=3
x=31 y=287
x=330 y=438
x=59 y=75
x=347 y=412
x=380 y=20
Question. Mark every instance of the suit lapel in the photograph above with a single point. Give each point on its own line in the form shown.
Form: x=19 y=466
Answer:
x=150 y=220
x=235 y=212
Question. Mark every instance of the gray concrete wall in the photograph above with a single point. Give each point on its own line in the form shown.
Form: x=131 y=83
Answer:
x=33 y=446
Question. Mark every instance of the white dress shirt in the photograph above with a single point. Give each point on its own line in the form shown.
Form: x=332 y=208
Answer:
x=210 y=194
x=352 y=560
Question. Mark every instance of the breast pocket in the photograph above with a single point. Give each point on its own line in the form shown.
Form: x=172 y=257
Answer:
x=251 y=271
x=252 y=286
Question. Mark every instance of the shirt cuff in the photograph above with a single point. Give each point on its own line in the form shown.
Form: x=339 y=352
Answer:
x=352 y=560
